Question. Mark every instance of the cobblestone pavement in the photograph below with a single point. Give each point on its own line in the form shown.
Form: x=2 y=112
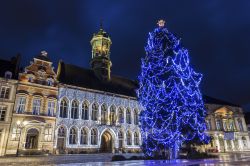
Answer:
x=228 y=159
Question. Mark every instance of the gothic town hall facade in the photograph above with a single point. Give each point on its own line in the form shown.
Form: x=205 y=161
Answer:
x=77 y=110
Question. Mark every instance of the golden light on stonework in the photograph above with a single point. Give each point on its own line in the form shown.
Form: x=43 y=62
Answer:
x=161 y=23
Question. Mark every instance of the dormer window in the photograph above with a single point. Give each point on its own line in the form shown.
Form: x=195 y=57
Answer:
x=50 y=82
x=8 y=75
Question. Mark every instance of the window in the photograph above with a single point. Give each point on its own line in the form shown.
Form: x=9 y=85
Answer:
x=136 y=119
x=63 y=109
x=61 y=132
x=104 y=114
x=129 y=138
x=5 y=92
x=93 y=137
x=85 y=111
x=48 y=134
x=36 y=106
x=15 y=133
x=112 y=115
x=72 y=136
x=8 y=75
x=244 y=141
x=225 y=125
x=84 y=137
x=136 y=138
x=51 y=108
x=240 y=125
x=231 y=125
x=21 y=104
x=128 y=116
x=208 y=124
x=120 y=139
x=218 y=126
x=3 y=110
x=94 y=111
x=120 y=115
x=50 y=82
x=74 y=110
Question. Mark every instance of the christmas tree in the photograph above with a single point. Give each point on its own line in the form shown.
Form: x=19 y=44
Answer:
x=173 y=109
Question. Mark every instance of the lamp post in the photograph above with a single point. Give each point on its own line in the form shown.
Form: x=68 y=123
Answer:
x=20 y=125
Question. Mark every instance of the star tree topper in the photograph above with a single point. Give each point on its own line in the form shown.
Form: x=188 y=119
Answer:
x=161 y=23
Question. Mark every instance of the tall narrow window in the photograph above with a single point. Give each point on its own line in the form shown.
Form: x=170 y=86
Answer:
x=5 y=92
x=63 y=109
x=51 y=108
x=128 y=116
x=16 y=132
x=136 y=138
x=21 y=101
x=36 y=106
x=129 y=138
x=225 y=125
x=120 y=115
x=120 y=139
x=136 y=119
x=104 y=114
x=72 y=136
x=112 y=115
x=85 y=111
x=240 y=125
x=208 y=124
x=231 y=125
x=218 y=124
x=74 y=110
x=84 y=137
x=94 y=111
x=93 y=137
x=48 y=134
x=61 y=132
x=3 y=110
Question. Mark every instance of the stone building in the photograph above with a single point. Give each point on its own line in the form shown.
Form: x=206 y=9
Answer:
x=8 y=83
x=226 y=125
x=33 y=119
x=97 y=111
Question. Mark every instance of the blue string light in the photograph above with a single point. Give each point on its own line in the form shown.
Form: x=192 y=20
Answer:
x=173 y=109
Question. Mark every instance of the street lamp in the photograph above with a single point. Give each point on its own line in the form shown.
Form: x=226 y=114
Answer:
x=20 y=125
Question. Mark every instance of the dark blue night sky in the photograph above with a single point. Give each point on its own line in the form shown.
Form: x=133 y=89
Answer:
x=217 y=34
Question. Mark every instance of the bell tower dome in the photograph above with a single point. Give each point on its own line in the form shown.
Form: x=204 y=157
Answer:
x=100 y=61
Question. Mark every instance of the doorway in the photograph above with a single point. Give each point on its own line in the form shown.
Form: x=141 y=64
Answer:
x=32 y=139
x=106 y=142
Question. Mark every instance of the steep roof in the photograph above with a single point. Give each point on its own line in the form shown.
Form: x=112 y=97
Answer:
x=86 y=78
x=211 y=100
x=9 y=65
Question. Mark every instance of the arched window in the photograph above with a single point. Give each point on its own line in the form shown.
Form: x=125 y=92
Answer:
x=84 y=137
x=74 y=110
x=136 y=118
x=72 y=136
x=94 y=111
x=129 y=138
x=128 y=116
x=112 y=115
x=136 y=138
x=93 y=137
x=240 y=125
x=63 y=109
x=208 y=124
x=61 y=132
x=104 y=114
x=85 y=110
x=120 y=139
x=120 y=115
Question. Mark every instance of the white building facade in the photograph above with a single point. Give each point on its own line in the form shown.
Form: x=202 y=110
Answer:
x=227 y=127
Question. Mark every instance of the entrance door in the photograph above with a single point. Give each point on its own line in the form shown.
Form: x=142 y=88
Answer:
x=60 y=144
x=32 y=139
x=106 y=143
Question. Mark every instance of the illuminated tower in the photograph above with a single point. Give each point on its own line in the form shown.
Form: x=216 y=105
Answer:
x=100 y=61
